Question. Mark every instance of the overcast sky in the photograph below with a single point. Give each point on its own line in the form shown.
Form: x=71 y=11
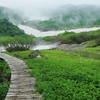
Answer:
x=38 y=5
x=42 y=3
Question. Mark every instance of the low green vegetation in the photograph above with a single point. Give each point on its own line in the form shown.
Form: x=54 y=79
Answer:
x=64 y=75
x=5 y=75
x=91 y=53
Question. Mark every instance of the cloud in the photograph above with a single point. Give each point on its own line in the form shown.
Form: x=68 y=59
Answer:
x=43 y=3
x=38 y=6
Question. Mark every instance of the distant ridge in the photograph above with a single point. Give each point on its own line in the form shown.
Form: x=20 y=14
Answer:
x=69 y=16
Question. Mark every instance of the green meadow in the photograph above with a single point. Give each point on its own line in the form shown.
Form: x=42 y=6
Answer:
x=66 y=75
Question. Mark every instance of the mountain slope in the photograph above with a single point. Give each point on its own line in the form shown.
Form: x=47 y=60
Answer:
x=12 y=15
x=69 y=16
x=8 y=29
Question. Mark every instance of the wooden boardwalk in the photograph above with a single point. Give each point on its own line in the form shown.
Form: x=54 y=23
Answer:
x=22 y=86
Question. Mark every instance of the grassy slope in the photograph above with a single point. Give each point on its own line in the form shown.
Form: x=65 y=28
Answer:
x=91 y=38
x=9 y=29
x=67 y=75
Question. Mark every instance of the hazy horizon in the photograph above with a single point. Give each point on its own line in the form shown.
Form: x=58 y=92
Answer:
x=38 y=8
x=43 y=4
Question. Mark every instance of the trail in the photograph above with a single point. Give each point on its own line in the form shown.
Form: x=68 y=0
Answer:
x=22 y=85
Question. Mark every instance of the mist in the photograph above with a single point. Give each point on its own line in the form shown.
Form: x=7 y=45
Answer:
x=42 y=8
x=53 y=15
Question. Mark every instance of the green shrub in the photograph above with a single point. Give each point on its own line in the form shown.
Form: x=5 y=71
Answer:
x=3 y=90
x=5 y=75
x=17 y=43
x=71 y=37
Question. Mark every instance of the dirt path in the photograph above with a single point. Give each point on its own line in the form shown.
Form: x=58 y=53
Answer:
x=22 y=85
